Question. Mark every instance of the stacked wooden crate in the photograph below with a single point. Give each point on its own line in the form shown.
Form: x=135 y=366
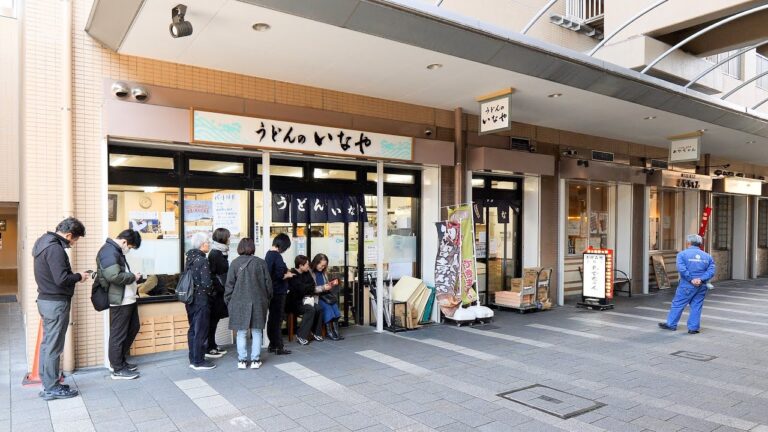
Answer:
x=162 y=333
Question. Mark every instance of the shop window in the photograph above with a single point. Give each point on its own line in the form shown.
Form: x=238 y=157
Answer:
x=654 y=220
x=334 y=174
x=478 y=183
x=118 y=160
x=762 y=223
x=721 y=232
x=214 y=166
x=154 y=212
x=282 y=171
x=664 y=218
x=401 y=244
x=587 y=223
x=208 y=209
x=504 y=185
x=395 y=178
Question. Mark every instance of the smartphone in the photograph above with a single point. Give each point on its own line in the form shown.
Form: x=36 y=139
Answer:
x=333 y=282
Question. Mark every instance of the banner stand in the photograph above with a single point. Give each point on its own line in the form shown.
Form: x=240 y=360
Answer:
x=597 y=279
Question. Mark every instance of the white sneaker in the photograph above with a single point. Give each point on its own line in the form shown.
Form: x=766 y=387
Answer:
x=242 y=364
x=255 y=364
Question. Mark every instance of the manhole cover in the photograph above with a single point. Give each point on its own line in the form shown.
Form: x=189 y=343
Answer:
x=694 y=356
x=486 y=327
x=552 y=401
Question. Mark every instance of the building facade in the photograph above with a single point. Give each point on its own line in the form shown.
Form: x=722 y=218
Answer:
x=575 y=170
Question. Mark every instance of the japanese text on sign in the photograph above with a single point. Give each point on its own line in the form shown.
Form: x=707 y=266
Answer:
x=210 y=127
x=684 y=150
x=598 y=273
x=494 y=115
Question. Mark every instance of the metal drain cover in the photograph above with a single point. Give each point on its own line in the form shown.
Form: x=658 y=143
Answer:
x=694 y=356
x=552 y=401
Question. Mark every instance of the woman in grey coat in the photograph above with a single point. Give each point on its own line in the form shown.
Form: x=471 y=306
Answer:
x=247 y=294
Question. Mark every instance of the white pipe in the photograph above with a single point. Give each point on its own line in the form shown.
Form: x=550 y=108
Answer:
x=701 y=32
x=745 y=83
x=538 y=15
x=623 y=26
x=381 y=236
x=721 y=62
x=67 y=157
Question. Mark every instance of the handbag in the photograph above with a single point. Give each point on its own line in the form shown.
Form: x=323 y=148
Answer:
x=185 y=289
x=329 y=298
x=308 y=301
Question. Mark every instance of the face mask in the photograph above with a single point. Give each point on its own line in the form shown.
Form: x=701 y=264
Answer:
x=125 y=249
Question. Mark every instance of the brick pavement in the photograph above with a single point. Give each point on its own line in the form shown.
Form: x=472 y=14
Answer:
x=563 y=370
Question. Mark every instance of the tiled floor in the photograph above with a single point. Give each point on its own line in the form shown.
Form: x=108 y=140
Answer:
x=445 y=378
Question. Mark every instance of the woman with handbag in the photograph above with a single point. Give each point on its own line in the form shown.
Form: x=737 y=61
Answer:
x=329 y=299
x=219 y=263
x=303 y=300
x=247 y=293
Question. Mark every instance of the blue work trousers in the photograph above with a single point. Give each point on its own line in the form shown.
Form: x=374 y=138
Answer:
x=687 y=295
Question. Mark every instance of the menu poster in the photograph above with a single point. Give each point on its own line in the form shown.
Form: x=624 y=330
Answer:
x=195 y=210
x=226 y=211
x=597 y=274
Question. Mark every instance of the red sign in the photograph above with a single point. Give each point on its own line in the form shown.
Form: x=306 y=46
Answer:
x=704 y=221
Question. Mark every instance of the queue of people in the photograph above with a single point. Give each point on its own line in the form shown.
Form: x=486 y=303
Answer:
x=253 y=292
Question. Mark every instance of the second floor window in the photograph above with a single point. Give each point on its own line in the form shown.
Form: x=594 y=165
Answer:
x=731 y=68
x=762 y=65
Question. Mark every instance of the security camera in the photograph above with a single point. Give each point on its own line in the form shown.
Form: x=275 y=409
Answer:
x=140 y=94
x=120 y=90
x=428 y=132
x=569 y=152
x=739 y=174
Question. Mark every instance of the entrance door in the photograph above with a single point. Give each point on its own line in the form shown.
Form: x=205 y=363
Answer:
x=722 y=235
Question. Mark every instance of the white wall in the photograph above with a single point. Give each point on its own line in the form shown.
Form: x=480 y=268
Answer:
x=9 y=110
x=531 y=221
x=624 y=218
x=739 y=263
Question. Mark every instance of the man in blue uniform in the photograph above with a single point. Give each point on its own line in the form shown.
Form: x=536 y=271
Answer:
x=696 y=268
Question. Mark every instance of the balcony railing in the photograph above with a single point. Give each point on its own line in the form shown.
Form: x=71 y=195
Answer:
x=585 y=11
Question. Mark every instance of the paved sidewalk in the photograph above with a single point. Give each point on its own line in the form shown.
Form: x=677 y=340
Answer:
x=563 y=370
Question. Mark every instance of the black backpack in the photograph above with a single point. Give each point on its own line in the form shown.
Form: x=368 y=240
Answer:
x=185 y=289
x=99 y=294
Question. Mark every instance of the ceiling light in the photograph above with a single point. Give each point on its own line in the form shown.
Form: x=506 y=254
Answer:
x=179 y=27
x=649 y=118
x=261 y=27
x=118 y=161
x=703 y=130
x=555 y=95
x=434 y=66
x=751 y=142
x=151 y=189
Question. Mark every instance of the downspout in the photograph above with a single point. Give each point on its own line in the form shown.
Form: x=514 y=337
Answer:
x=67 y=157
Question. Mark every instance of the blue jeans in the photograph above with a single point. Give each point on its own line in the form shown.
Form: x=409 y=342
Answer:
x=687 y=295
x=242 y=344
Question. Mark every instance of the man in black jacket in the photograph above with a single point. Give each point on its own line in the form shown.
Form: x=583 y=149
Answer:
x=115 y=275
x=55 y=288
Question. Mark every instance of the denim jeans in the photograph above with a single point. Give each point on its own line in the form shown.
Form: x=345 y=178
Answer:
x=242 y=344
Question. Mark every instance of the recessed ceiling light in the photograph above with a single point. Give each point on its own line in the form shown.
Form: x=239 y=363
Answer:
x=261 y=27
x=703 y=130
x=649 y=118
x=555 y=95
x=751 y=142
x=434 y=66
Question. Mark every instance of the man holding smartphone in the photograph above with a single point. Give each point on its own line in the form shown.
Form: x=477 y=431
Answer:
x=55 y=288
x=115 y=275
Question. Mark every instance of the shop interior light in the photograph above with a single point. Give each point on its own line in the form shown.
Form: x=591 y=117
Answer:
x=229 y=168
x=151 y=189
x=118 y=161
x=179 y=27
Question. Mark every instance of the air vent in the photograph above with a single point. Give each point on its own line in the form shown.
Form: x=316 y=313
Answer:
x=659 y=164
x=522 y=144
x=602 y=156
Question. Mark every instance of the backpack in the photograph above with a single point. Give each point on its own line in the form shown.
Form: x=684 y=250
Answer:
x=99 y=294
x=185 y=289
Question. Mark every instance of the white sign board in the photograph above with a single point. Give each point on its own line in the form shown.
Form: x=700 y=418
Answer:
x=684 y=150
x=218 y=128
x=494 y=114
x=743 y=186
x=226 y=211
x=594 y=275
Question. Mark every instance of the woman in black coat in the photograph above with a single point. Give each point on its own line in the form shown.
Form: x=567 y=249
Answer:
x=303 y=300
x=219 y=263
x=199 y=311
x=247 y=293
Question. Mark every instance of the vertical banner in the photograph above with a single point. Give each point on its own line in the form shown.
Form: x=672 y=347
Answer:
x=350 y=209
x=477 y=211
x=447 y=267
x=502 y=212
x=280 y=207
x=463 y=216
x=336 y=210
x=704 y=221
x=300 y=208
x=318 y=212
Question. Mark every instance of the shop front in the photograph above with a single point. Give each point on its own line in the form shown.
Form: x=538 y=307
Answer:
x=598 y=202
x=760 y=264
x=506 y=189
x=674 y=210
x=328 y=201
x=730 y=234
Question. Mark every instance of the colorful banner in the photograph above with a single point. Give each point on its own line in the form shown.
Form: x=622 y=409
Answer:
x=447 y=267
x=463 y=216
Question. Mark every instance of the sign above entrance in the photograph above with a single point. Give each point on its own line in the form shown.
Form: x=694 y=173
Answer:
x=738 y=185
x=495 y=111
x=685 y=148
x=243 y=131
x=681 y=180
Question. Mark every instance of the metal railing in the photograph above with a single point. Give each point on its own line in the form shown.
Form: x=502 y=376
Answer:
x=584 y=10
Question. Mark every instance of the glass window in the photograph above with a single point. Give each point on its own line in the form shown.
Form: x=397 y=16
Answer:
x=154 y=212
x=208 y=209
x=576 y=228
x=669 y=219
x=221 y=167
x=598 y=216
x=762 y=66
x=587 y=223
x=721 y=232
x=478 y=183
x=137 y=161
x=762 y=223
x=282 y=171
x=505 y=185
x=334 y=174
x=731 y=68
x=654 y=219
x=393 y=178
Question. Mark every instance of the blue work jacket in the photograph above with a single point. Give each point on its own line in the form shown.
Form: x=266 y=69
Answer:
x=693 y=263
